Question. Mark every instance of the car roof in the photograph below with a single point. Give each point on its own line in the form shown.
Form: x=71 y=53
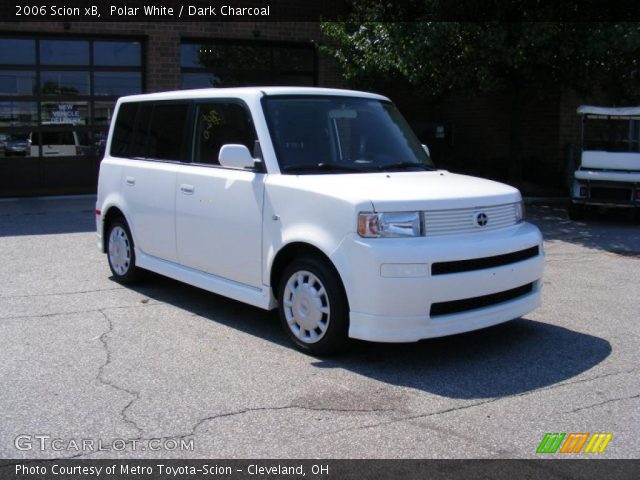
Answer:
x=609 y=111
x=248 y=93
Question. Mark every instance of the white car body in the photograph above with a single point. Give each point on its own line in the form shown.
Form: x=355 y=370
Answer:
x=222 y=229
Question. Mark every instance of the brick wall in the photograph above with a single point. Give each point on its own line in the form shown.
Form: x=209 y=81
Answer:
x=479 y=126
x=162 y=42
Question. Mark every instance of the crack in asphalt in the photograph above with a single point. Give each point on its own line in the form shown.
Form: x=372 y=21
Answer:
x=100 y=376
x=75 y=312
x=476 y=404
x=603 y=403
x=61 y=293
x=200 y=422
x=411 y=417
x=244 y=411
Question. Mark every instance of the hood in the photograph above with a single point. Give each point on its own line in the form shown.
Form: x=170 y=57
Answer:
x=405 y=191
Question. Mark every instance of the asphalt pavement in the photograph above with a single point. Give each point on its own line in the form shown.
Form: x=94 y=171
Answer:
x=162 y=369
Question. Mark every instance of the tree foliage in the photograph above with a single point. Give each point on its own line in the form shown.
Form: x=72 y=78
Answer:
x=443 y=57
x=525 y=59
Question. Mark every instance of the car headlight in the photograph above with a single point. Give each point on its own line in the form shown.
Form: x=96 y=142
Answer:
x=390 y=224
x=519 y=211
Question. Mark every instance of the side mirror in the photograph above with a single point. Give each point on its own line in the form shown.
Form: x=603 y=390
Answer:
x=235 y=156
x=426 y=150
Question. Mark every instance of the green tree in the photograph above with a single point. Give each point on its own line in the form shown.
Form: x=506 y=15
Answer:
x=525 y=60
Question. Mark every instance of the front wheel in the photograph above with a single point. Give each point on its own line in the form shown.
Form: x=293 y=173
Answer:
x=313 y=307
x=120 y=252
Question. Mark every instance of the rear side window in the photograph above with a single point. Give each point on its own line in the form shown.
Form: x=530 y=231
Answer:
x=123 y=130
x=140 y=141
x=166 y=131
x=150 y=130
x=218 y=124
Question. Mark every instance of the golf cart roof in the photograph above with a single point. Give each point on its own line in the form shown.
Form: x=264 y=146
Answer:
x=609 y=111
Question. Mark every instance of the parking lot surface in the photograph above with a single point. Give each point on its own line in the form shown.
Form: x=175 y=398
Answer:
x=168 y=370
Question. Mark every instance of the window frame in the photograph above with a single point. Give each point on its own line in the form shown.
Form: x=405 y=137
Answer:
x=91 y=126
x=207 y=101
x=186 y=148
x=189 y=131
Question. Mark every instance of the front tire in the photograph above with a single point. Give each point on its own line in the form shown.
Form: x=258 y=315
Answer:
x=121 y=252
x=313 y=307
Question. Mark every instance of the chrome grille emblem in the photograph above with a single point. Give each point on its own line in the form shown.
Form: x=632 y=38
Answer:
x=481 y=219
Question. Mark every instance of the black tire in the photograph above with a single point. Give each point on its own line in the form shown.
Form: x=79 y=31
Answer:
x=576 y=212
x=323 y=292
x=122 y=261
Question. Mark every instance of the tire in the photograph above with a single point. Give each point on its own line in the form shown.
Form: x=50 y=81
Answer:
x=313 y=307
x=121 y=252
x=576 y=212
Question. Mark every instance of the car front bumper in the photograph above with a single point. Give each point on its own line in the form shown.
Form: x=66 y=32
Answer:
x=392 y=290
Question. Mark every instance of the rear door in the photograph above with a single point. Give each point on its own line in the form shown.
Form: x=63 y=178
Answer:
x=149 y=179
x=218 y=209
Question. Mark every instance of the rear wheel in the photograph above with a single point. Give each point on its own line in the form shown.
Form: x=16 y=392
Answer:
x=313 y=307
x=120 y=252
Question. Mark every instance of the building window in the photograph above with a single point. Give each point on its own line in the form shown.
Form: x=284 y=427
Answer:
x=219 y=63
x=16 y=51
x=64 y=52
x=57 y=96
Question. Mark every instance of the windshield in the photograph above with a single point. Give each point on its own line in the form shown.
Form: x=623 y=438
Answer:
x=611 y=134
x=341 y=135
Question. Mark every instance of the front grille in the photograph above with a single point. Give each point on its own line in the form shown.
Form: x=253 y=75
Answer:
x=442 y=268
x=457 y=306
x=608 y=193
x=463 y=220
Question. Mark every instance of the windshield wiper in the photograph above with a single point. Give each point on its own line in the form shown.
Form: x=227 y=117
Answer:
x=321 y=167
x=392 y=166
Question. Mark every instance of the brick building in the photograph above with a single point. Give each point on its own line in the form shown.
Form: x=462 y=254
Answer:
x=59 y=82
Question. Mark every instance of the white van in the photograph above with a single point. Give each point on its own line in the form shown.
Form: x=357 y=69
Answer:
x=68 y=143
x=319 y=202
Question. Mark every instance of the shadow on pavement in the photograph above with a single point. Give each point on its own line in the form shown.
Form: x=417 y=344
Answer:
x=508 y=359
x=613 y=231
x=46 y=216
x=46 y=223
x=255 y=321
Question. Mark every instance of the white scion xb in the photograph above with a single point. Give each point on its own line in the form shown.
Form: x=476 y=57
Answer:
x=319 y=202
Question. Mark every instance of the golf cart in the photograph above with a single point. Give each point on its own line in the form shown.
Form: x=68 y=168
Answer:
x=608 y=171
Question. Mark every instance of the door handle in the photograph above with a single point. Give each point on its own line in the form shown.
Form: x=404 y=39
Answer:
x=187 y=189
x=130 y=181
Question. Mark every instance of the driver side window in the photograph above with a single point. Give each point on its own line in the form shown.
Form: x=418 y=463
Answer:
x=218 y=124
